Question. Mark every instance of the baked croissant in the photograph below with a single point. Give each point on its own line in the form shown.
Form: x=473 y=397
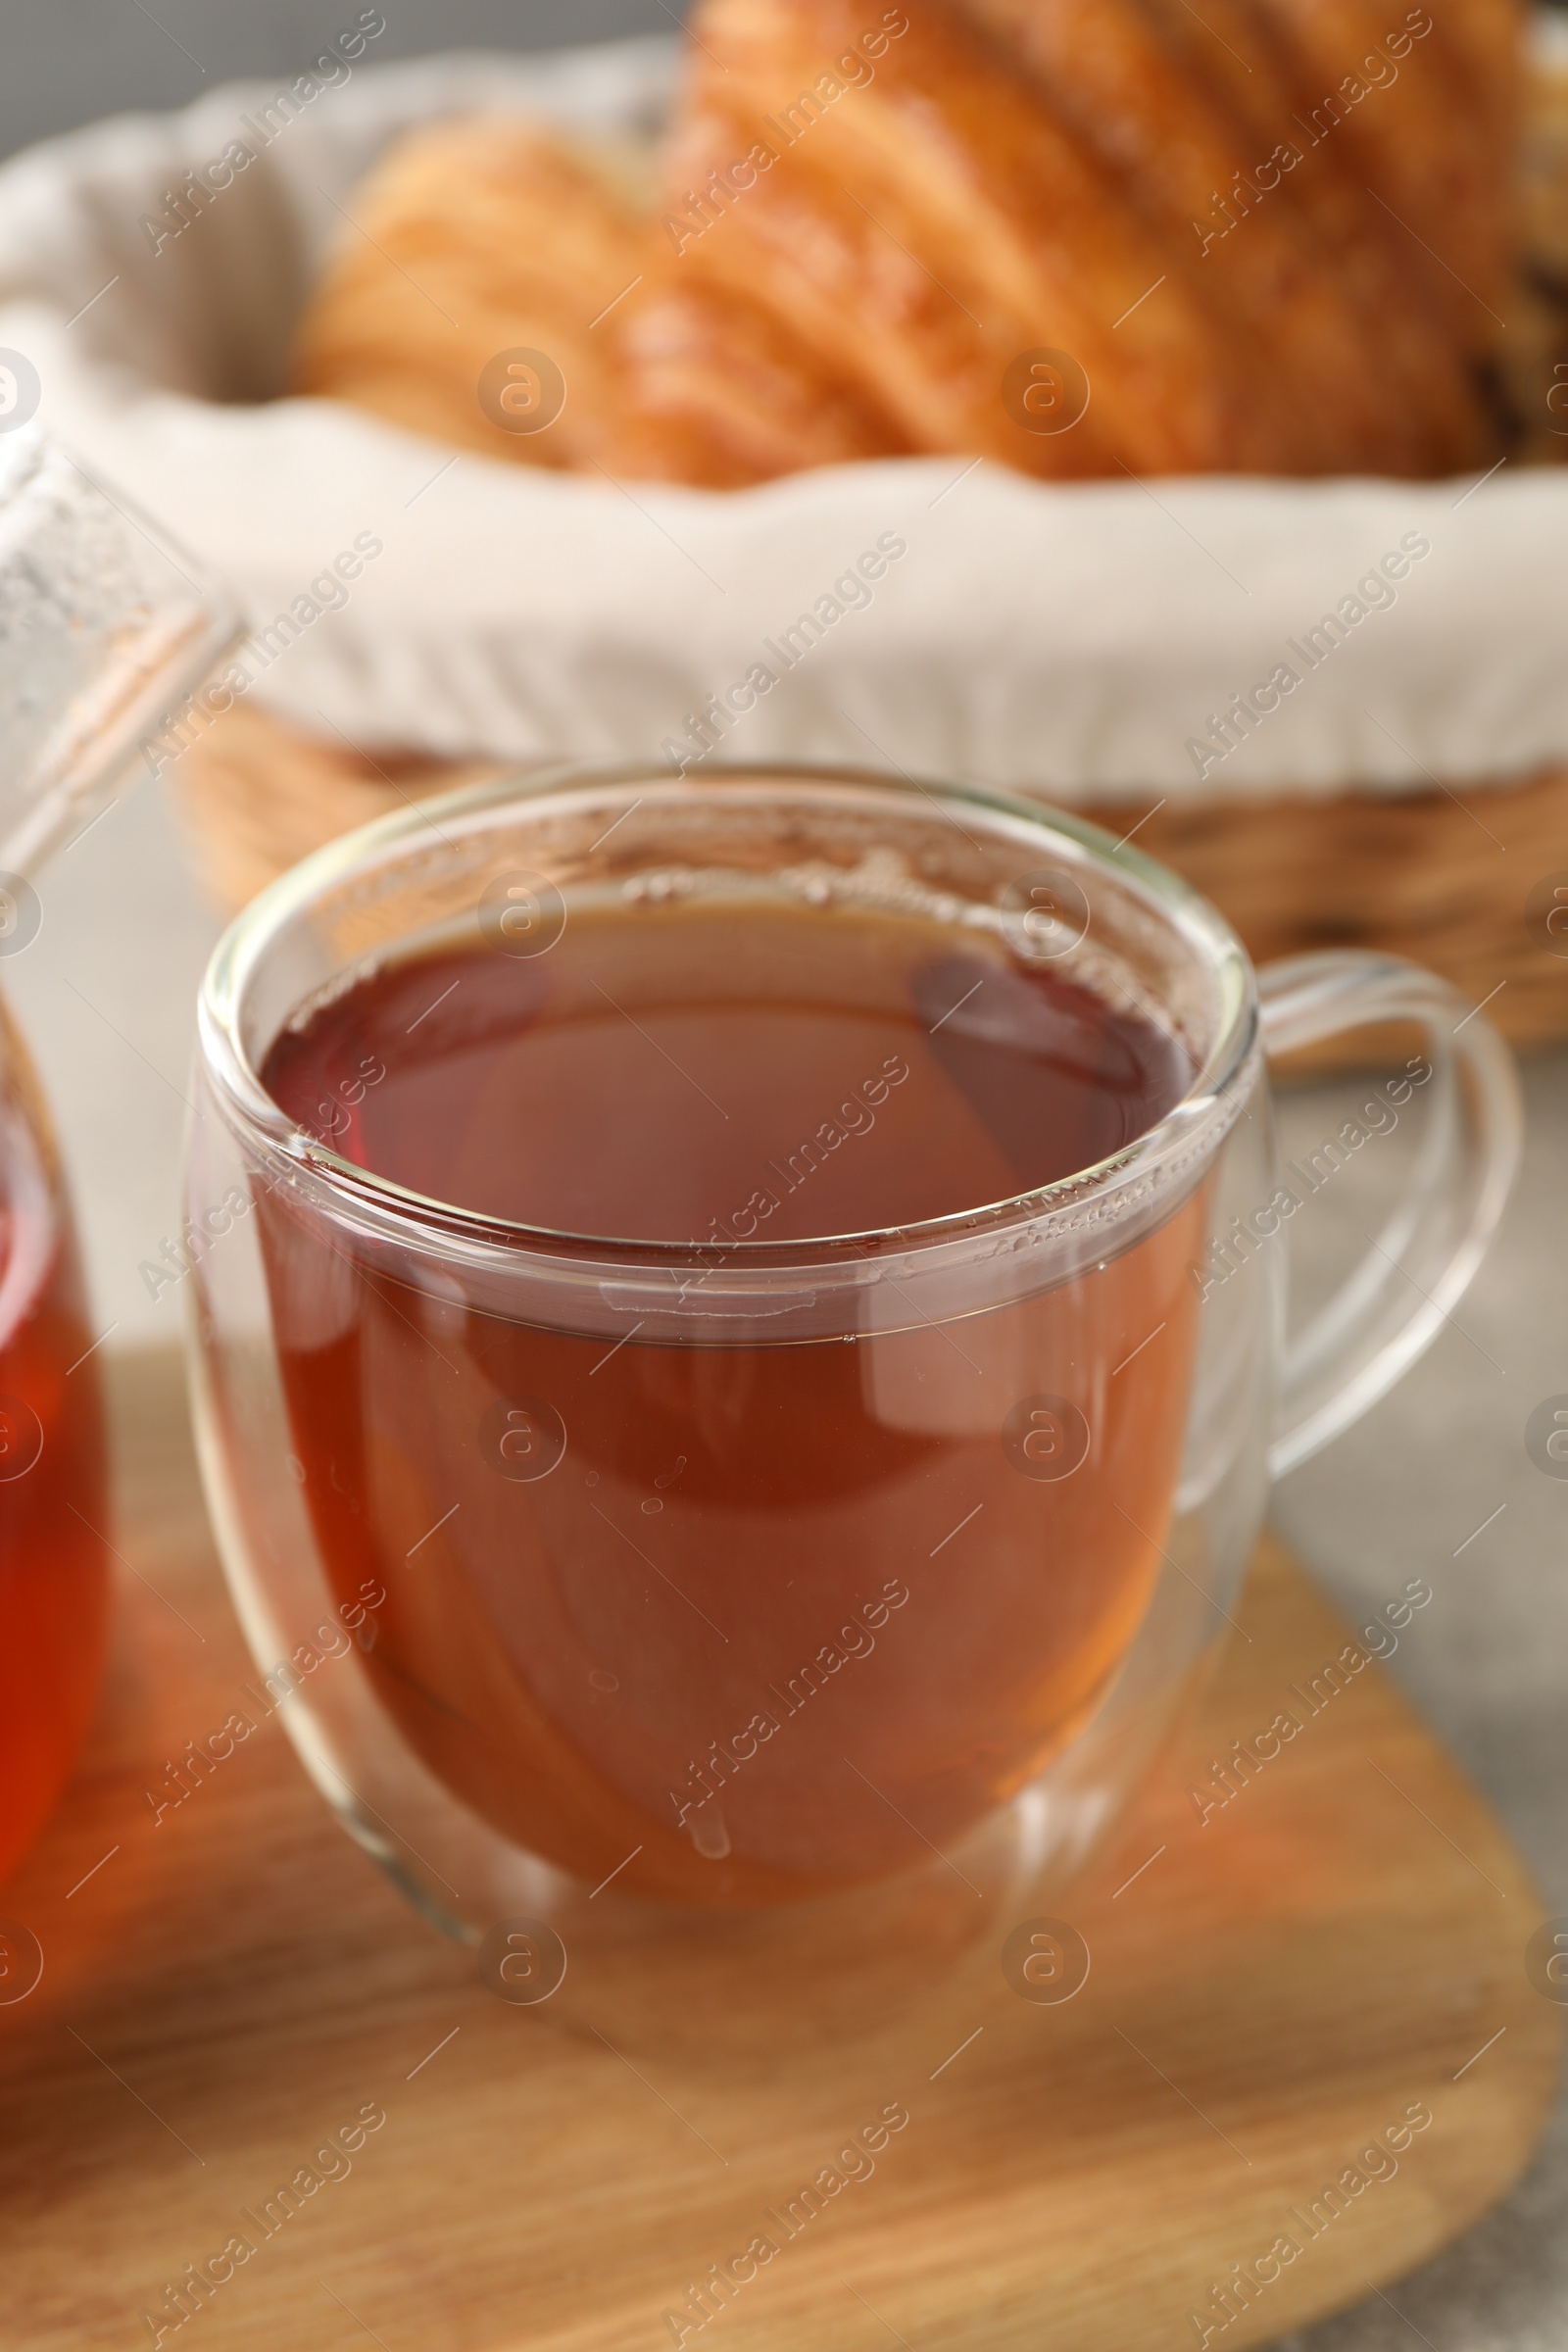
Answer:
x=469 y=241
x=1078 y=237
x=1365 y=351
x=1289 y=116
x=719 y=390
x=1429 y=154
x=924 y=227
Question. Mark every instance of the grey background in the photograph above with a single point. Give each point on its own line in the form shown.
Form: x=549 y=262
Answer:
x=106 y=994
x=68 y=62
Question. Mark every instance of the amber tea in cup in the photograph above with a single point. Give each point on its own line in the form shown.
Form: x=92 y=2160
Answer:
x=771 y=1615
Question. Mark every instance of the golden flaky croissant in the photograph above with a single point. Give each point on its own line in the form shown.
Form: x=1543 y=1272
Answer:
x=921 y=229
x=1079 y=236
x=1366 y=355
x=471 y=240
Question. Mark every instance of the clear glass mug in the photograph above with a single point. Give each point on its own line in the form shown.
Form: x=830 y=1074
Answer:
x=654 y=1831
x=102 y=621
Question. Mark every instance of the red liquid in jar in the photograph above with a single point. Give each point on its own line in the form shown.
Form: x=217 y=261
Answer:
x=53 y=1563
x=778 y=1614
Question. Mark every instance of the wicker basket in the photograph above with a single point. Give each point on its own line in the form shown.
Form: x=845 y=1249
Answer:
x=1440 y=877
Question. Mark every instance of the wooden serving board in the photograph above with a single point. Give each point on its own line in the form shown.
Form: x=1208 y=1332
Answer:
x=1271 y=1993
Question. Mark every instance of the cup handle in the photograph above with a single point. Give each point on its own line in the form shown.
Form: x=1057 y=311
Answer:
x=1391 y=1307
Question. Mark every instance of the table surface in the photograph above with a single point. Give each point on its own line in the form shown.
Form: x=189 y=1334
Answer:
x=1405 y=1494
x=105 y=993
x=1264 y=1996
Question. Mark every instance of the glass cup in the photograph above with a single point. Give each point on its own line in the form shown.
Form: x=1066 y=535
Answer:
x=716 y=1679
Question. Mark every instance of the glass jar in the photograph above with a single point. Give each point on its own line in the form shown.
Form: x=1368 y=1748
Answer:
x=101 y=624
x=54 y=1560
